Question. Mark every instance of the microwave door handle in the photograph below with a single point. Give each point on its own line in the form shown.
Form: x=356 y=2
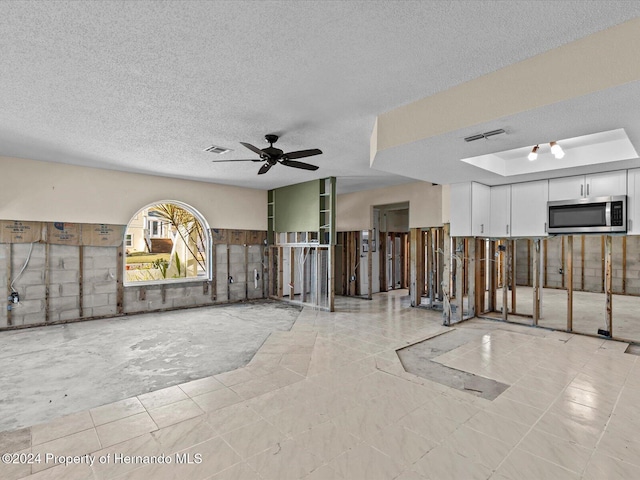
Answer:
x=607 y=214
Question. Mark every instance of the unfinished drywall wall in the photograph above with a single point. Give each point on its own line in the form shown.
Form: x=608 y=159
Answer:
x=354 y=210
x=74 y=282
x=57 y=192
x=588 y=263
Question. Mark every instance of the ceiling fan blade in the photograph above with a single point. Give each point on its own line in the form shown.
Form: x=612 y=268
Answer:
x=302 y=165
x=302 y=153
x=240 y=160
x=264 y=168
x=252 y=148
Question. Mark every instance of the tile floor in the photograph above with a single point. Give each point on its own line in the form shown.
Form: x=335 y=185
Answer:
x=330 y=400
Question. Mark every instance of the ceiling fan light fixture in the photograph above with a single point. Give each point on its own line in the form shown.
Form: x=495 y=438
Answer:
x=556 y=150
x=533 y=155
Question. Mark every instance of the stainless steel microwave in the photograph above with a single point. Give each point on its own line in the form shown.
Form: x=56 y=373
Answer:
x=588 y=215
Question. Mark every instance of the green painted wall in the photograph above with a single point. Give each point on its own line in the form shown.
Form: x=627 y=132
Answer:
x=297 y=207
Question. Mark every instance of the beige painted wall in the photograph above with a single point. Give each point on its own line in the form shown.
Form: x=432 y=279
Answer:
x=425 y=205
x=43 y=191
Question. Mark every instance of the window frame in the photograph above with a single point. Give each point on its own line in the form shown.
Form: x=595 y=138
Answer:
x=208 y=257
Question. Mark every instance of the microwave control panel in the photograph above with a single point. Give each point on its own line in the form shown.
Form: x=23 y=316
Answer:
x=617 y=216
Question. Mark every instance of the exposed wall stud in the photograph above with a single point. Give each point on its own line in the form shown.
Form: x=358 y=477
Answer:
x=9 y=264
x=582 y=263
x=414 y=263
x=493 y=262
x=81 y=281
x=280 y=292
x=47 y=282
x=331 y=286
x=603 y=260
x=214 y=273
x=292 y=273
x=609 y=284
x=545 y=281
x=382 y=249
x=246 y=272
x=569 y=283
x=472 y=280
x=512 y=274
x=446 y=271
x=624 y=265
x=505 y=279
x=562 y=262
x=528 y=261
x=459 y=283
x=119 y=280
x=536 y=281
x=370 y=266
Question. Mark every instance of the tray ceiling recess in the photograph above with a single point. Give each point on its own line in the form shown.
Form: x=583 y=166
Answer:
x=592 y=149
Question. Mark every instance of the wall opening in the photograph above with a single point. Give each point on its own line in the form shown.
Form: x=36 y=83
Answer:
x=167 y=242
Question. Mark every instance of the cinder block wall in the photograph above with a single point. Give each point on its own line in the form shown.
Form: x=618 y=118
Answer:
x=83 y=282
x=625 y=263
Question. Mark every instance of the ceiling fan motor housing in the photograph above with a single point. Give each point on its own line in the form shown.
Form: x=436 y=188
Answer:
x=271 y=138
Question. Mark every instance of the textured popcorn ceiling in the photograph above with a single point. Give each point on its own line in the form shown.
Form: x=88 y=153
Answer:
x=146 y=86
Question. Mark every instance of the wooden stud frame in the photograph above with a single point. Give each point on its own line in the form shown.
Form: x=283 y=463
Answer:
x=570 y=283
x=608 y=283
x=536 y=281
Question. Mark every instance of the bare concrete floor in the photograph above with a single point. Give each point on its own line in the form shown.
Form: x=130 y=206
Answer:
x=57 y=370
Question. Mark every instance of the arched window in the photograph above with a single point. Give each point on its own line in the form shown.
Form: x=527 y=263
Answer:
x=167 y=241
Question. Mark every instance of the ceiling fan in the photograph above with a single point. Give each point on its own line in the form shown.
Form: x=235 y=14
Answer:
x=272 y=156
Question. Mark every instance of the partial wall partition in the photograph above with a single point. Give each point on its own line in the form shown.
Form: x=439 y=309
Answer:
x=302 y=241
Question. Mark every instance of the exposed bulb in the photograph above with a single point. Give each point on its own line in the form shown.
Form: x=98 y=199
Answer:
x=556 y=150
x=533 y=155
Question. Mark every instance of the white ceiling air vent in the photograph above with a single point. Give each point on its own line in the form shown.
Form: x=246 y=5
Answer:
x=218 y=150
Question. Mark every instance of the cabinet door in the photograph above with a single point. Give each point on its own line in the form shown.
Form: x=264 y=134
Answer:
x=633 y=202
x=460 y=213
x=567 y=188
x=500 y=211
x=529 y=209
x=480 y=209
x=606 y=184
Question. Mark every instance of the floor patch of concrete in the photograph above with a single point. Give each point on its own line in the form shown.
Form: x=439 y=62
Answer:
x=633 y=349
x=57 y=370
x=417 y=359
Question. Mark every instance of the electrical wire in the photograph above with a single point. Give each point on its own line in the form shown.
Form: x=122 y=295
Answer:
x=26 y=262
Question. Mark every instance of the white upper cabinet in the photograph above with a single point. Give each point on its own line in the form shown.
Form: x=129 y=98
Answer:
x=606 y=184
x=529 y=209
x=566 y=188
x=593 y=185
x=469 y=210
x=500 y=221
x=633 y=202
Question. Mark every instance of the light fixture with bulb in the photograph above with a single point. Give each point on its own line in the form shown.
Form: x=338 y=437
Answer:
x=556 y=150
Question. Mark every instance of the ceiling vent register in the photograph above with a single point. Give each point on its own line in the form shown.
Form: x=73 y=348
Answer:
x=484 y=135
x=216 y=149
